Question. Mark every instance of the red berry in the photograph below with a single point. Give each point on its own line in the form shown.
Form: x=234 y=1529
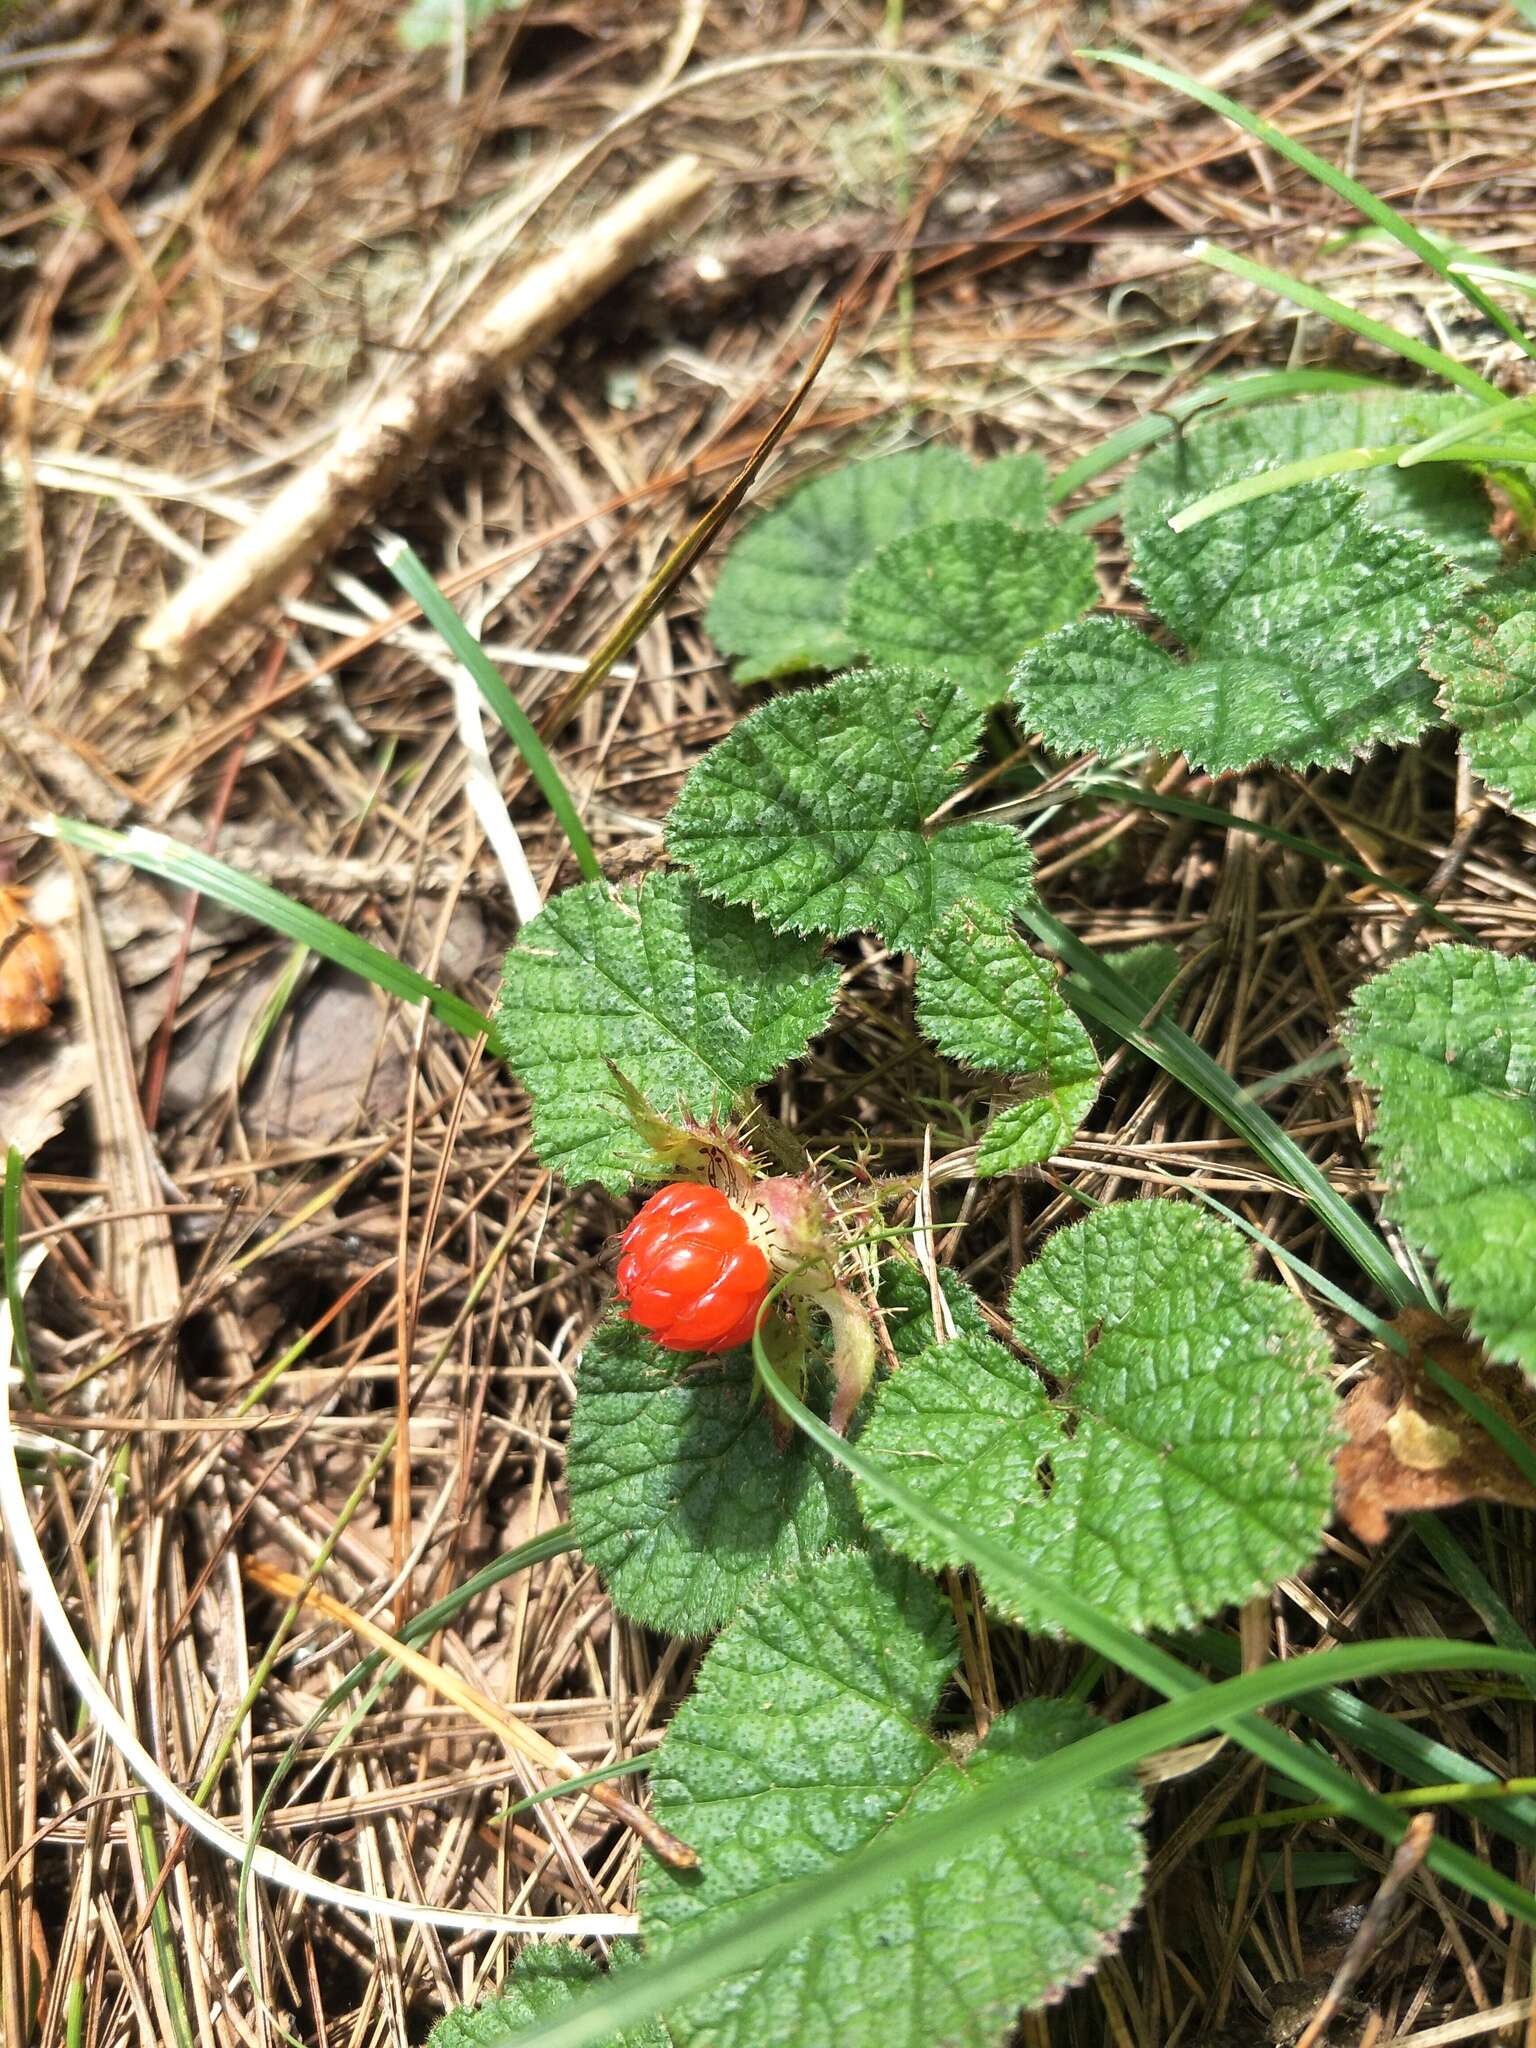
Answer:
x=690 y=1271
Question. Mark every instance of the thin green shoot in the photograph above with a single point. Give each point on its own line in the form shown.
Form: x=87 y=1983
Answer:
x=274 y=1003
x=185 y=867
x=1467 y=429
x=1392 y=1742
x=1211 y=395
x=1408 y=346
x=623 y=1767
x=1347 y=188
x=416 y=580
x=10 y=1220
x=1413 y=1797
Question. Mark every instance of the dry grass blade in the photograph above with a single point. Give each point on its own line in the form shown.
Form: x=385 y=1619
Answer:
x=693 y=544
x=517 y=1734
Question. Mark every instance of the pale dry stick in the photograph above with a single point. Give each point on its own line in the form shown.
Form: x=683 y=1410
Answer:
x=1473 y=2027
x=265 y=1863
x=1406 y=1858
x=127 y=485
x=377 y=442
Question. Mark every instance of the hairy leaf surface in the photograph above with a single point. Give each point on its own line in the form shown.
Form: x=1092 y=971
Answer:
x=1185 y=1461
x=815 y=811
x=779 y=604
x=984 y=997
x=1304 y=623
x=544 y=1980
x=694 y=1003
x=679 y=1492
x=968 y=598
x=1441 y=502
x=1486 y=658
x=1448 y=1040
x=806 y=1739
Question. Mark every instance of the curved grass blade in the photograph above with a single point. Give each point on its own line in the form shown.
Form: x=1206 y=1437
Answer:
x=1359 y=196
x=622 y=1767
x=1339 y=462
x=416 y=580
x=798 y=1909
x=1155 y=1667
x=649 y=1987
x=1106 y=995
x=1408 y=346
x=1212 y=395
x=186 y=868
x=1466 y=429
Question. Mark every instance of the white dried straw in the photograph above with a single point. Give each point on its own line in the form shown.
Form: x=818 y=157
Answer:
x=263 y=1862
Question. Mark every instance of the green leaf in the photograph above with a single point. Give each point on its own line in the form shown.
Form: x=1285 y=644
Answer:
x=1441 y=502
x=968 y=598
x=427 y=24
x=694 y=1004
x=1486 y=658
x=544 y=1980
x=679 y=1492
x=1448 y=1039
x=908 y=1304
x=779 y=603
x=1304 y=622
x=804 y=1742
x=984 y=997
x=815 y=809
x=1187 y=1459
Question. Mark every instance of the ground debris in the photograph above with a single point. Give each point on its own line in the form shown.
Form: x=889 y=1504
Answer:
x=1412 y=1446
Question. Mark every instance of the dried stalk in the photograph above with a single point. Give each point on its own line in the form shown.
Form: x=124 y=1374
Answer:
x=388 y=435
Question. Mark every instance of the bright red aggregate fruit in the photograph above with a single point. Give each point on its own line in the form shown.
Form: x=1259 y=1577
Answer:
x=690 y=1271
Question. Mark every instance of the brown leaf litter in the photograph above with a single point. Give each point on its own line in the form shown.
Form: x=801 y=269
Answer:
x=1412 y=1446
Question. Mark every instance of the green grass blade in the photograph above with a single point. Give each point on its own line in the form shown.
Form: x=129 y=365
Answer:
x=1469 y=1582
x=1421 y=353
x=10 y=1221
x=1154 y=1666
x=1466 y=430
x=1395 y=1743
x=1347 y=188
x=1214 y=394
x=415 y=579
x=624 y=1767
x=798 y=1909
x=1101 y=990
x=1263 y=483
x=187 y=868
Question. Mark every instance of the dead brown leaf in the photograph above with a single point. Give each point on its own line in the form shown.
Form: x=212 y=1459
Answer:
x=30 y=976
x=1411 y=1446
